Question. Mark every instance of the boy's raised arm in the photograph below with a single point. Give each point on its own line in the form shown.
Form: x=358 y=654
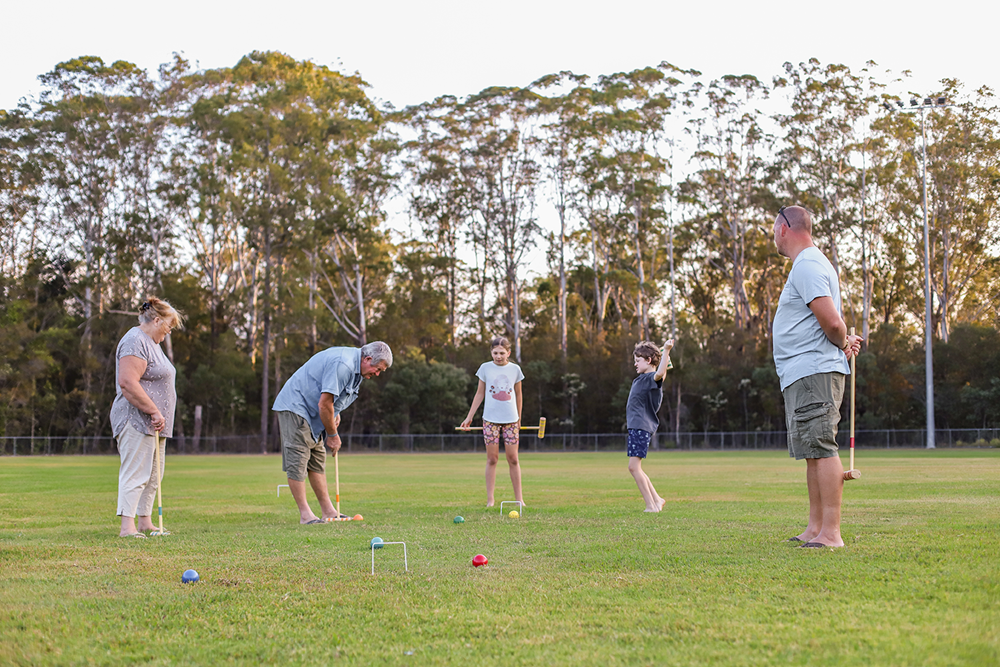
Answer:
x=661 y=371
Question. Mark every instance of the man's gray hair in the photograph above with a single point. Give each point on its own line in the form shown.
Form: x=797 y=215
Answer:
x=379 y=352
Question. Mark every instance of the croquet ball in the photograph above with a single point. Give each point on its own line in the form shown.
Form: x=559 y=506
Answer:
x=358 y=517
x=459 y=519
x=513 y=514
x=376 y=543
x=189 y=577
x=480 y=560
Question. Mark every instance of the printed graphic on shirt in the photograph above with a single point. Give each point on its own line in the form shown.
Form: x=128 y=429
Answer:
x=502 y=388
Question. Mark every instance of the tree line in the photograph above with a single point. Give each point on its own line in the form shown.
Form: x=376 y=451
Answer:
x=284 y=210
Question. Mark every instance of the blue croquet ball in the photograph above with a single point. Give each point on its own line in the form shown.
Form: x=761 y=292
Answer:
x=189 y=577
x=459 y=519
x=376 y=543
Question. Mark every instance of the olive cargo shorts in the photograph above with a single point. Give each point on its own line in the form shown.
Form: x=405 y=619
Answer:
x=812 y=413
x=299 y=451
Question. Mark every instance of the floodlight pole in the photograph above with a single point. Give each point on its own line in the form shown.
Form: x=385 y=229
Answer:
x=928 y=332
x=928 y=103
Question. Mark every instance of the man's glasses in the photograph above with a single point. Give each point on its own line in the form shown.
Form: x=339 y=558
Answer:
x=781 y=212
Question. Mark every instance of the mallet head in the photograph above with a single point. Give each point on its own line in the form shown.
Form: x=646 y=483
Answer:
x=852 y=474
x=541 y=427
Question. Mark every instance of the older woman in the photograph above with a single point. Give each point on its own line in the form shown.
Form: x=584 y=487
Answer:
x=144 y=405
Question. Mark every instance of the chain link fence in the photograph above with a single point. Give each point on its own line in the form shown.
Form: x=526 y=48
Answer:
x=473 y=442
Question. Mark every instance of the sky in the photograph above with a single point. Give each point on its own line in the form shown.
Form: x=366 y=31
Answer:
x=410 y=52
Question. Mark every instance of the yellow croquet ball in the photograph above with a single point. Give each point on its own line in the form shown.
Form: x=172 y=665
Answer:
x=513 y=514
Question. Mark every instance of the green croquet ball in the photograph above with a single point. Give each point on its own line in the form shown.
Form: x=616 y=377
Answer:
x=459 y=519
x=376 y=543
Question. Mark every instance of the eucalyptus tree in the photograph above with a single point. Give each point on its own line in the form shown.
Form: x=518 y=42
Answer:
x=22 y=199
x=86 y=122
x=963 y=165
x=302 y=172
x=358 y=250
x=562 y=148
x=500 y=173
x=623 y=165
x=824 y=136
x=437 y=199
x=202 y=190
x=729 y=188
x=629 y=121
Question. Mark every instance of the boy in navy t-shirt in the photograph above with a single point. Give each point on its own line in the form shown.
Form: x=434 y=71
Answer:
x=651 y=363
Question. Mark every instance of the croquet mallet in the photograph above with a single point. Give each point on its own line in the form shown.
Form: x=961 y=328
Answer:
x=852 y=473
x=540 y=428
x=336 y=484
x=157 y=461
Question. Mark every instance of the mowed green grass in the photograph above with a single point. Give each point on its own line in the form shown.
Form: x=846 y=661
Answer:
x=583 y=578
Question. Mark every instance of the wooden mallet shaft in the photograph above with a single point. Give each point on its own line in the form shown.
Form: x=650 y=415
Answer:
x=157 y=461
x=540 y=428
x=852 y=473
x=336 y=480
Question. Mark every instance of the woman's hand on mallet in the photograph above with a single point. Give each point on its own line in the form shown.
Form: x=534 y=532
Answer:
x=157 y=421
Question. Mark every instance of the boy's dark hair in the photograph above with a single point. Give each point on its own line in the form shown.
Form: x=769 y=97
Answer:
x=648 y=350
x=500 y=341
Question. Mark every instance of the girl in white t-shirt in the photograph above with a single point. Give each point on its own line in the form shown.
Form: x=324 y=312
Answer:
x=500 y=388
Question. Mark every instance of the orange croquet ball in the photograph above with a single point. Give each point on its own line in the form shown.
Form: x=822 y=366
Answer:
x=358 y=517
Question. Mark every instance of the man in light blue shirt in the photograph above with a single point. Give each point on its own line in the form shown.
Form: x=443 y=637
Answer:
x=811 y=353
x=309 y=405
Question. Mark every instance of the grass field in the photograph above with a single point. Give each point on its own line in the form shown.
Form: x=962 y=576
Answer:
x=583 y=578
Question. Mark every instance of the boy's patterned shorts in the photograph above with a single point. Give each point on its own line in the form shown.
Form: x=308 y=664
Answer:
x=638 y=442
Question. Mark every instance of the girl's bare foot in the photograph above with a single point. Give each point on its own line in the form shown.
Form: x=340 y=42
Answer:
x=649 y=510
x=661 y=502
x=489 y=504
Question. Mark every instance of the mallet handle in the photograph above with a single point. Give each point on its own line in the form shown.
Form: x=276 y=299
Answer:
x=853 y=375
x=336 y=479
x=159 y=480
x=540 y=428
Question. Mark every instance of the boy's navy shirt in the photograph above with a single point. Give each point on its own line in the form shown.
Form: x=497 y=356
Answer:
x=644 y=402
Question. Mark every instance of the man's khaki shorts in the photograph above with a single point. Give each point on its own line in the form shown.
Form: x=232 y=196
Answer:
x=299 y=452
x=812 y=413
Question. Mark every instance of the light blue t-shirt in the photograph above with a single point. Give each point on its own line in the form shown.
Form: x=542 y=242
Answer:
x=801 y=348
x=336 y=371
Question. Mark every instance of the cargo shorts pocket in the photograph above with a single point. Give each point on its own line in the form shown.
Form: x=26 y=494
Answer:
x=814 y=425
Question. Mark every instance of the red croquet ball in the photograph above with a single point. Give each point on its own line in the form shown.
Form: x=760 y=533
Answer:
x=480 y=560
x=358 y=517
